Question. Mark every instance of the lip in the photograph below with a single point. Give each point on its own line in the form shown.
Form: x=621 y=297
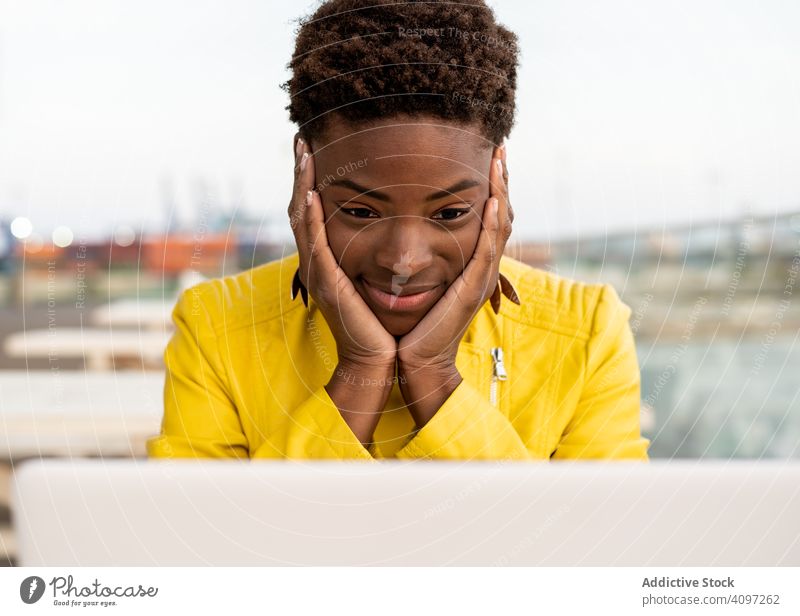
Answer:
x=399 y=303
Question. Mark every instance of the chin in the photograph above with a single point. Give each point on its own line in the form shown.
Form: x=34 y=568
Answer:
x=398 y=325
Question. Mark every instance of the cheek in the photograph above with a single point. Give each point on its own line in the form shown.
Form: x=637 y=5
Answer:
x=348 y=246
x=462 y=244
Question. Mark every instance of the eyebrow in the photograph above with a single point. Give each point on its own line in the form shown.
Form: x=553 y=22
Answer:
x=381 y=196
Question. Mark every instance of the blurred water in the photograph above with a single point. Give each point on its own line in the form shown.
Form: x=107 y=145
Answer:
x=723 y=398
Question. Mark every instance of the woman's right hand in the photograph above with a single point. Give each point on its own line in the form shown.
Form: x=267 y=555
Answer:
x=360 y=337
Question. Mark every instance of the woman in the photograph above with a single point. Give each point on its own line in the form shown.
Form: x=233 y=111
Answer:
x=401 y=346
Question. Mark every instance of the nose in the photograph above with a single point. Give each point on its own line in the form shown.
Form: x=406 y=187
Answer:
x=404 y=248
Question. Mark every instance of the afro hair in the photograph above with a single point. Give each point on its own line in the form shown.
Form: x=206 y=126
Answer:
x=368 y=60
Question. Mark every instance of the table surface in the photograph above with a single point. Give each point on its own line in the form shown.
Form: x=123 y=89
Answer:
x=82 y=341
x=148 y=313
x=78 y=413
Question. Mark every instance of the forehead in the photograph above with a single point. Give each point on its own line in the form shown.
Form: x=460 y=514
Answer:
x=403 y=145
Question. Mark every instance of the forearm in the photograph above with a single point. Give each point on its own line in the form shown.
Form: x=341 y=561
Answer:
x=425 y=389
x=360 y=393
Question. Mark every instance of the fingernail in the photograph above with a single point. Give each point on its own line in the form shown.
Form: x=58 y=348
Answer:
x=299 y=147
x=309 y=198
x=499 y=163
x=303 y=162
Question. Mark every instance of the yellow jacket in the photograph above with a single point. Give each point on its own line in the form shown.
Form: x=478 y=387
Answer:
x=247 y=365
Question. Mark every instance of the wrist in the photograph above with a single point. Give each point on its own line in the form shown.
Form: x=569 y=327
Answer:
x=360 y=393
x=411 y=365
x=360 y=375
x=426 y=388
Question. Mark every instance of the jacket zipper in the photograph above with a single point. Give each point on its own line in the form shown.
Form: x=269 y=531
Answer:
x=498 y=373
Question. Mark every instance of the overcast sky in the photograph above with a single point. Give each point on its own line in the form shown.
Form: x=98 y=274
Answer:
x=632 y=114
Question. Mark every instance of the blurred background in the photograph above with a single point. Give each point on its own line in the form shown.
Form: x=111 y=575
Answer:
x=145 y=147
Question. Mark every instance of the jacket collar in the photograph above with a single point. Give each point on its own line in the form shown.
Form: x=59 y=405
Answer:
x=504 y=287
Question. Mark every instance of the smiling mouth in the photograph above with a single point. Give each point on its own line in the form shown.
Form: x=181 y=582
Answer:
x=399 y=303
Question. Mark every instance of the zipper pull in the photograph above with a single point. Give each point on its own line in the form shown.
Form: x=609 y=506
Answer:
x=499 y=367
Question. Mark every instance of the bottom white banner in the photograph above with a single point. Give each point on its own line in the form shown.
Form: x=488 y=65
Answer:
x=400 y=590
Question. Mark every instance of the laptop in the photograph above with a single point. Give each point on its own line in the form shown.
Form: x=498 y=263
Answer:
x=390 y=513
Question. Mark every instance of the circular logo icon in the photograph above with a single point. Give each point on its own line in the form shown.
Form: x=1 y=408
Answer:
x=31 y=589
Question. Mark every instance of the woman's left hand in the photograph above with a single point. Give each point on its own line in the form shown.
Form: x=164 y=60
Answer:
x=427 y=354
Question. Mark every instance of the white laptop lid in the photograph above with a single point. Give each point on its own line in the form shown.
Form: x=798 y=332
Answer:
x=96 y=512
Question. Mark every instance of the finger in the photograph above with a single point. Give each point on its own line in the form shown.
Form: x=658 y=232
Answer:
x=303 y=168
x=480 y=275
x=506 y=215
x=505 y=182
x=499 y=181
x=304 y=176
x=296 y=144
x=496 y=179
x=320 y=260
x=304 y=173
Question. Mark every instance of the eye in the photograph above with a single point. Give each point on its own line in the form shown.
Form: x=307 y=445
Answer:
x=358 y=212
x=451 y=213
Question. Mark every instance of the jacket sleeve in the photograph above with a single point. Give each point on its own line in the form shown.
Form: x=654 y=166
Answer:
x=202 y=421
x=315 y=429
x=466 y=427
x=606 y=421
